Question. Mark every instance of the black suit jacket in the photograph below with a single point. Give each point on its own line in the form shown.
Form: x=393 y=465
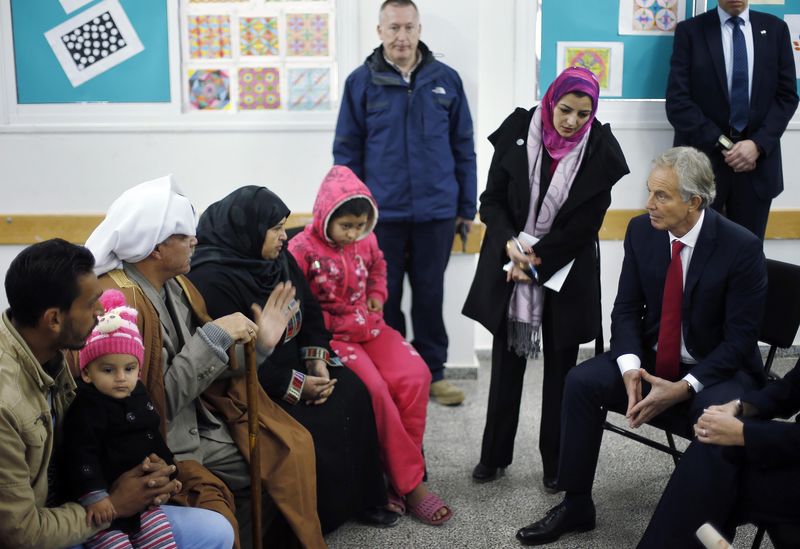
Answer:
x=774 y=443
x=723 y=297
x=573 y=235
x=697 y=99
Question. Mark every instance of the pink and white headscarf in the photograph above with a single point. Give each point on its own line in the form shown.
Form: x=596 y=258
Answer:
x=524 y=315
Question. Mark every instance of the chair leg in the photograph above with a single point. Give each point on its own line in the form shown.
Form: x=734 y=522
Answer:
x=759 y=538
x=676 y=456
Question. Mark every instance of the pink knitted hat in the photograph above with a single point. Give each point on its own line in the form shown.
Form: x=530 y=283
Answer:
x=116 y=331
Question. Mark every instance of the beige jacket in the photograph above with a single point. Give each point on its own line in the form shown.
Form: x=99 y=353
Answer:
x=26 y=445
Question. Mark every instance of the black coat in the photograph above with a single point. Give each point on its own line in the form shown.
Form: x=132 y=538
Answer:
x=104 y=437
x=573 y=235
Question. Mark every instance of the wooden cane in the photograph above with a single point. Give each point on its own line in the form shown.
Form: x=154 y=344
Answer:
x=253 y=429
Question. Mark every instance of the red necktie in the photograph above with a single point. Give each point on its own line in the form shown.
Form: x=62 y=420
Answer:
x=668 y=354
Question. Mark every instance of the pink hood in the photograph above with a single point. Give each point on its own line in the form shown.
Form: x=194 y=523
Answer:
x=339 y=186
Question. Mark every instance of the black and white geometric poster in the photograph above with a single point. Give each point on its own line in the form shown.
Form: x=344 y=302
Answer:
x=94 y=41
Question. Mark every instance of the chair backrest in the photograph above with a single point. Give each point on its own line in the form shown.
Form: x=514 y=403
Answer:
x=294 y=231
x=782 y=308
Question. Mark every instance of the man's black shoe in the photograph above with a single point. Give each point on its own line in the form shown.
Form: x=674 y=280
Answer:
x=558 y=521
x=378 y=516
x=551 y=485
x=484 y=473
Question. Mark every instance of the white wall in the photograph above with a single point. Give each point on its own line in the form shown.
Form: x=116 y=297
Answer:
x=82 y=168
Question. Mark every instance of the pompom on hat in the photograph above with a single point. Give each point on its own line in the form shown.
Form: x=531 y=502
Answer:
x=116 y=331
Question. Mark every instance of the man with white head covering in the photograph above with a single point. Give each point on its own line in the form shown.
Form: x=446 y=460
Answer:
x=127 y=235
x=144 y=247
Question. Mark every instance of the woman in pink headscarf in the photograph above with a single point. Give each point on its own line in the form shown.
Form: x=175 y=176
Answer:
x=551 y=178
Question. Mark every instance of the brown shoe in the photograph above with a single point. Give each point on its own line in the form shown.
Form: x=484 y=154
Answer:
x=446 y=394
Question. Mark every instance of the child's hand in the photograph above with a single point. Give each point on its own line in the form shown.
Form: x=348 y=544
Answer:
x=374 y=304
x=102 y=512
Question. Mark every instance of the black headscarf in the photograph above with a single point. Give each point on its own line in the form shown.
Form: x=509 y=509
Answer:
x=230 y=236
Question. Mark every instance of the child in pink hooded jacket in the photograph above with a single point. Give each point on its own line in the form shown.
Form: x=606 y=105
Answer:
x=346 y=271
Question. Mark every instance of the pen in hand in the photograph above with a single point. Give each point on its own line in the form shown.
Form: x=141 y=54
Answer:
x=531 y=269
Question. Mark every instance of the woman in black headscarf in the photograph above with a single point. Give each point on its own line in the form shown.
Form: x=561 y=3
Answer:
x=241 y=255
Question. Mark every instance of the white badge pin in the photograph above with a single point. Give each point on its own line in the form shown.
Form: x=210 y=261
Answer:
x=520 y=141
x=440 y=90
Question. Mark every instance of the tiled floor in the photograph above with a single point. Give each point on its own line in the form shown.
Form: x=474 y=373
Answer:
x=629 y=482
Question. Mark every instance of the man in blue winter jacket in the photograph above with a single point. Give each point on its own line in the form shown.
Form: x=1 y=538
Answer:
x=404 y=128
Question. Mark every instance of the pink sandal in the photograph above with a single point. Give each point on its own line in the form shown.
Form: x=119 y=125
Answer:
x=393 y=499
x=426 y=509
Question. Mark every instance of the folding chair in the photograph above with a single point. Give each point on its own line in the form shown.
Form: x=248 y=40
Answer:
x=780 y=324
x=778 y=329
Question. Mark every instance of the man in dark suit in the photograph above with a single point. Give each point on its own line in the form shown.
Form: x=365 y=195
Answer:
x=731 y=93
x=684 y=330
x=741 y=468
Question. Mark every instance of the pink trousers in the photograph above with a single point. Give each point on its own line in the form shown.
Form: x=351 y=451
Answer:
x=398 y=380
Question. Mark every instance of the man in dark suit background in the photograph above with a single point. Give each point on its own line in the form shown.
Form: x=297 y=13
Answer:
x=684 y=330
x=741 y=468
x=732 y=84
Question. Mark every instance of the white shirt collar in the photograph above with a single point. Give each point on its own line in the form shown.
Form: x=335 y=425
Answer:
x=406 y=75
x=690 y=238
x=724 y=16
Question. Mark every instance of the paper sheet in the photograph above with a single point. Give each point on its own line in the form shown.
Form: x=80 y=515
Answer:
x=556 y=281
x=604 y=59
x=650 y=17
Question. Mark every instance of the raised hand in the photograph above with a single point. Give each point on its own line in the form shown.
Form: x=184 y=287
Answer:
x=274 y=316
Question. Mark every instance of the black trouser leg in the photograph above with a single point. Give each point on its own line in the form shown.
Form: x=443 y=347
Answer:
x=557 y=364
x=505 y=394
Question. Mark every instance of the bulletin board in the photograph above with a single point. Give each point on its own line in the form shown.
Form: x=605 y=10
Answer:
x=646 y=58
x=131 y=67
x=645 y=66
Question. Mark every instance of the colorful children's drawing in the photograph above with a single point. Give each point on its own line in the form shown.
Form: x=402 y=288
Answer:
x=209 y=90
x=259 y=89
x=653 y=17
x=309 y=89
x=307 y=34
x=209 y=37
x=258 y=35
x=593 y=58
x=604 y=59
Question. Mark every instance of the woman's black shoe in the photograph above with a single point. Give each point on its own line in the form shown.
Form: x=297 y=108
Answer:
x=484 y=473
x=378 y=516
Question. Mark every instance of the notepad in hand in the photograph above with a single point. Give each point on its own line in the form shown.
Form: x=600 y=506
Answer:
x=556 y=281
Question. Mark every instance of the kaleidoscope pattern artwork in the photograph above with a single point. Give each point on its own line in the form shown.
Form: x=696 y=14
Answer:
x=307 y=34
x=595 y=59
x=309 y=89
x=258 y=35
x=209 y=90
x=209 y=37
x=652 y=15
x=259 y=89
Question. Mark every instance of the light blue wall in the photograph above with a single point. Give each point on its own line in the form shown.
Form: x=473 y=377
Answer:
x=40 y=78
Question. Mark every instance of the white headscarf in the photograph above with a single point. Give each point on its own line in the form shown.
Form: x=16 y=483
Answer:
x=140 y=219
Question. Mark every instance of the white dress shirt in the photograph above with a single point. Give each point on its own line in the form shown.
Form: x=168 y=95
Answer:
x=632 y=362
x=727 y=46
